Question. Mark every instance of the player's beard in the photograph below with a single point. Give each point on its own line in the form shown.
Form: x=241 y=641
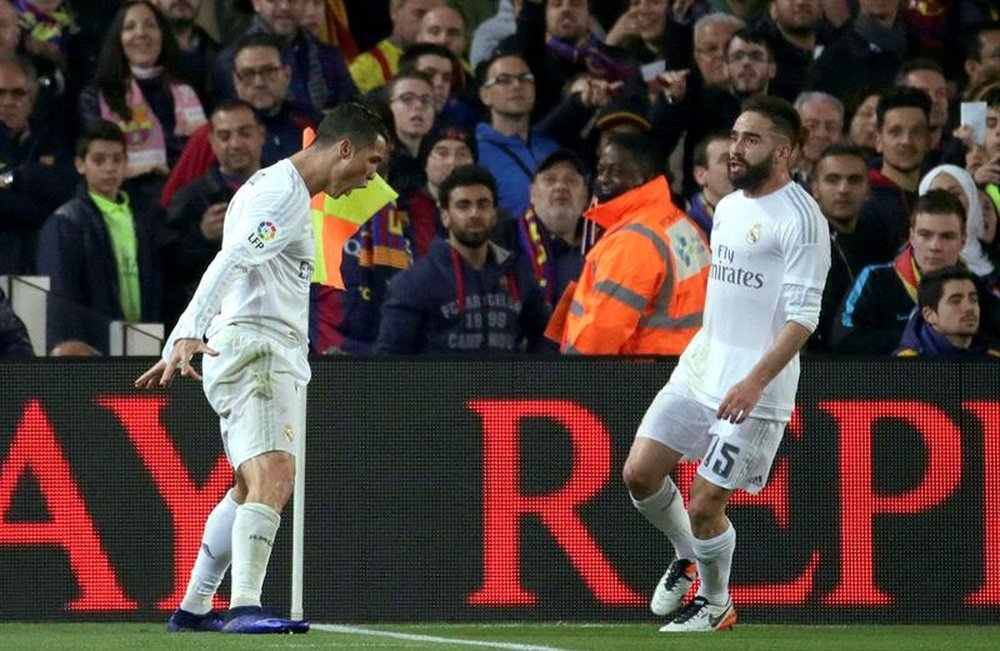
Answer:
x=753 y=176
x=471 y=240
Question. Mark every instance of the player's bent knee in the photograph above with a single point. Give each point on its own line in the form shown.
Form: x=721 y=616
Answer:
x=641 y=479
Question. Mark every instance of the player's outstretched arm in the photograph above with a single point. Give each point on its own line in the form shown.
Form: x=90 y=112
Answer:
x=162 y=373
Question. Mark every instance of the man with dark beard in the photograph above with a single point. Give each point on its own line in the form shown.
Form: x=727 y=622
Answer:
x=197 y=47
x=732 y=393
x=751 y=65
x=468 y=296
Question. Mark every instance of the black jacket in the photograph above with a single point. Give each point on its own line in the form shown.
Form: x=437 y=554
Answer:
x=551 y=71
x=874 y=313
x=40 y=177
x=850 y=64
x=703 y=110
x=187 y=253
x=14 y=341
x=74 y=250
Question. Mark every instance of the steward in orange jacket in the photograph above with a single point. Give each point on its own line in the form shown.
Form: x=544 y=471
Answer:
x=642 y=290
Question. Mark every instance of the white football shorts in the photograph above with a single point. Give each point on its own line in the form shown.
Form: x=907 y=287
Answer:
x=257 y=386
x=732 y=456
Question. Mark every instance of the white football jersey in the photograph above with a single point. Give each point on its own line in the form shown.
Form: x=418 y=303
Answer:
x=263 y=271
x=758 y=246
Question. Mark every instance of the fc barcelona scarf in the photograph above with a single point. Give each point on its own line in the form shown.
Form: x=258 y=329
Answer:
x=534 y=242
x=906 y=269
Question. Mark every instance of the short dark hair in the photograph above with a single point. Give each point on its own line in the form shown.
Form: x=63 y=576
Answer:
x=842 y=149
x=699 y=158
x=854 y=98
x=100 y=130
x=992 y=97
x=483 y=69
x=915 y=64
x=902 y=97
x=353 y=120
x=464 y=176
x=939 y=202
x=643 y=150
x=755 y=36
x=232 y=104
x=590 y=4
x=259 y=39
x=408 y=59
x=974 y=42
x=932 y=284
x=781 y=114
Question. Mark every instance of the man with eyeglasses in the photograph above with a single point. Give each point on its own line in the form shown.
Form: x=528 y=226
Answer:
x=35 y=173
x=508 y=146
x=712 y=33
x=52 y=80
x=319 y=76
x=262 y=80
x=677 y=112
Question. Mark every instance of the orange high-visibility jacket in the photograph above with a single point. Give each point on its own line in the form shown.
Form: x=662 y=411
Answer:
x=642 y=290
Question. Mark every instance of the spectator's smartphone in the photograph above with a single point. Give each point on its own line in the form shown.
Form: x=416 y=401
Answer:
x=650 y=70
x=973 y=115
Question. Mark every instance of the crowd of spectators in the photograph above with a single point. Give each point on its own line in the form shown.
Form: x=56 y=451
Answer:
x=519 y=126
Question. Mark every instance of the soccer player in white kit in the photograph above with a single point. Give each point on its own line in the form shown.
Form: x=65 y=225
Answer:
x=729 y=399
x=252 y=304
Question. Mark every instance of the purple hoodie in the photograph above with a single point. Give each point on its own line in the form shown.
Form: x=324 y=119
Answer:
x=921 y=340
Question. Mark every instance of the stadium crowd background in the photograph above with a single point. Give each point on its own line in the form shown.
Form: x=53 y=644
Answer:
x=202 y=94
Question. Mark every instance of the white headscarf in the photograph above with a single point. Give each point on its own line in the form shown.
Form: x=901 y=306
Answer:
x=972 y=253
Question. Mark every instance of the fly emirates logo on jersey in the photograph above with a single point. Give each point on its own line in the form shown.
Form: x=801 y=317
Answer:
x=727 y=270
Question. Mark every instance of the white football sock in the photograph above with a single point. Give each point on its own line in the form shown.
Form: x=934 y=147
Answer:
x=665 y=510
x=213 y=557
x=253 y=537
x=715 y=559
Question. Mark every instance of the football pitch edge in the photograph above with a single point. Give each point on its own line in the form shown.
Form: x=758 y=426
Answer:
x=514 y=636
x=579 y=636
x=431 y=639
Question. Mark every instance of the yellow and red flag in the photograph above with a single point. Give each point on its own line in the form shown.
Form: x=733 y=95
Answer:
x=336 y=220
